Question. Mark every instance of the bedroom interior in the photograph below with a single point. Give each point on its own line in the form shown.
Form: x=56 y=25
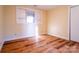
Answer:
x=39 y=29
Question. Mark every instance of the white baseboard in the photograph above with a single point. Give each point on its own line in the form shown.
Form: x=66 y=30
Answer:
x=13 y=38
x=60 y=36
x=21 y=35
x=17 y=36
x=1 y=44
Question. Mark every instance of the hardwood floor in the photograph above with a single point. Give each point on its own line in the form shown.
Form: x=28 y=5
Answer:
x=44 y=44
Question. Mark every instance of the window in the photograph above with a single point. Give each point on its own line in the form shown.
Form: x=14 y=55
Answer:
x=30 y=17
x=20 y=16
x=24 y=16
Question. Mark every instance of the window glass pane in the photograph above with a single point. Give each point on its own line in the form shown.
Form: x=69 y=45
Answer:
x=20 y=16
x=30 y=16
x=30 y=19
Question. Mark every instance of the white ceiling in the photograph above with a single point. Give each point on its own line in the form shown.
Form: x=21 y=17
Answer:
x=44 y=7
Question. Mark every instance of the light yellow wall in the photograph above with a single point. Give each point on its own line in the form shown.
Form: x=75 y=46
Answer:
x=43 y=22
x=11 y=26
x=58 y=22
x=53 y=22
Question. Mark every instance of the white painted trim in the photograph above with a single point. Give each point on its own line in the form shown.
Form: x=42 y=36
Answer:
x=1 y=44
x=13 y=38
x=69 y=22
x=59 y=36
x=17 y=36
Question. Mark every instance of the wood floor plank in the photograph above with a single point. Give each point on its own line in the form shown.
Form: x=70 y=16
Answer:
x=44 y=44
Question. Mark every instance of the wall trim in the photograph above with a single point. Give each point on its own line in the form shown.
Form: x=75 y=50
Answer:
x=69 y=22
x=63 y=37
x=17 y=36
x=13 y=38
x=1 y=44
